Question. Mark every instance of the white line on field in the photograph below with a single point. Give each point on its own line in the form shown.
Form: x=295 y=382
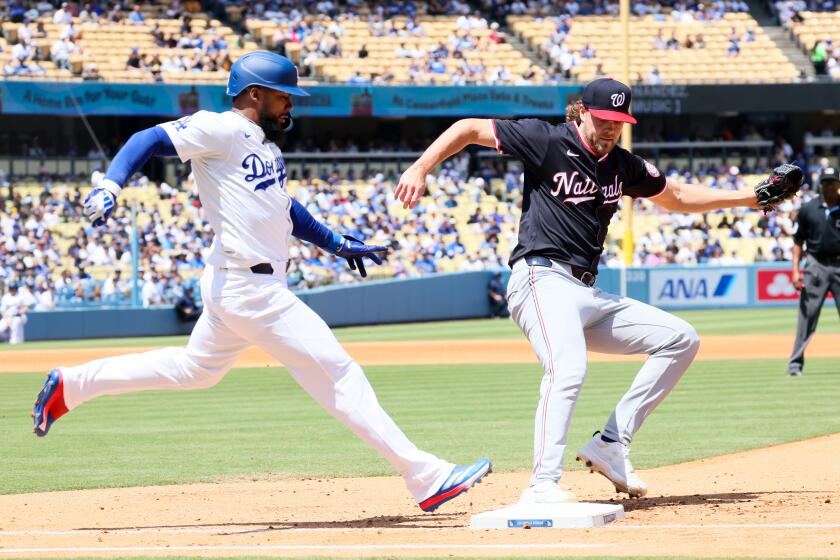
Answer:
x=303 y=547
x=223 y=529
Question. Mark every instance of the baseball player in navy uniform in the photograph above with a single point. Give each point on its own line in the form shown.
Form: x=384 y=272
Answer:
x=241 y=179
x=575 y=175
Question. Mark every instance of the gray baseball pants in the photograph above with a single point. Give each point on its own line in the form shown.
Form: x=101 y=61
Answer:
x=563 y=318
x=818 y=279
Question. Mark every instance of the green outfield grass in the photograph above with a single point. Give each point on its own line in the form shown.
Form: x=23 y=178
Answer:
x=257 y=422
x=736 y=321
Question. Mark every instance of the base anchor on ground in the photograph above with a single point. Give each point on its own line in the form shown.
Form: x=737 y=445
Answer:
x=549 y=516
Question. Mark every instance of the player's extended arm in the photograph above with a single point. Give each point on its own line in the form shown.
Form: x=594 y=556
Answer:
x=100 y=203
x=683 y=197
x=464 y=132
x=782 y=184
x=306 y=227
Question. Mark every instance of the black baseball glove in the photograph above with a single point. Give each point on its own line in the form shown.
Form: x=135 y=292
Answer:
x=782 y=184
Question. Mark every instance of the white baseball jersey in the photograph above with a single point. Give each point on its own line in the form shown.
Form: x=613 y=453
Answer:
x=241 y=180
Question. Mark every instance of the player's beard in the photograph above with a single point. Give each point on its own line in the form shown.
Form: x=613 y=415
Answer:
x=275 y=129
x=599 y=145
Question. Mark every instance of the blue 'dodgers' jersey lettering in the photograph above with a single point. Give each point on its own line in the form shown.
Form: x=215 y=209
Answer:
x=264 y=171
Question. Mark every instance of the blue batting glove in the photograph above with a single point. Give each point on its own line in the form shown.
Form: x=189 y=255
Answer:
x=354 y=250
x=100 y=203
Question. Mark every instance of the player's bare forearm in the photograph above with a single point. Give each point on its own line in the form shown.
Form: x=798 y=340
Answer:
x=683 y=197
x=464 y=132
x=454 y=139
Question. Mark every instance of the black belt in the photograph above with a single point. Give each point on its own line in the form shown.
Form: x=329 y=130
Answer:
x=262 y=268
x=581 y=274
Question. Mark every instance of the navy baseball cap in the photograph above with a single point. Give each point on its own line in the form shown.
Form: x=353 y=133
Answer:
x=829 y=174
x=608 y=99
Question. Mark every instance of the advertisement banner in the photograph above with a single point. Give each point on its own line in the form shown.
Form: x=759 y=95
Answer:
x=422 y=101
x=698 y=287
x=167 y=100
x=775 y=284
x=99 y=98
x=173 y=100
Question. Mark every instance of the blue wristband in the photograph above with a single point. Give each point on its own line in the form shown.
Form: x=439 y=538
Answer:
x=335 y=243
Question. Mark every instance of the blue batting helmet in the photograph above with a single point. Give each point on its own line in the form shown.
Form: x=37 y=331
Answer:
x=266 y=69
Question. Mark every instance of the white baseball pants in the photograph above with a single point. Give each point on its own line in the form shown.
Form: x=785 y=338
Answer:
x=563 y=318
x=243 y=309
x=16 y=329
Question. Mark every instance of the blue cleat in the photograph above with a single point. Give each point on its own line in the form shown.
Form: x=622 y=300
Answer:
x=49 y=406
x=462 y=479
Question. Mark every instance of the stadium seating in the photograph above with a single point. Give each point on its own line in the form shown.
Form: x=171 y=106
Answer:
x=108 y=46
x=759 y=60
x=355 y=33
x=820 y=27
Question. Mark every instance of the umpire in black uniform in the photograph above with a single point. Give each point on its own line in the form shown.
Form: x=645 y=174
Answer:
x=818 y=231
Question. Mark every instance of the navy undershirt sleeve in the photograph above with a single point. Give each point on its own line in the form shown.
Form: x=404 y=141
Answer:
x=137 y=151
x=306 y=227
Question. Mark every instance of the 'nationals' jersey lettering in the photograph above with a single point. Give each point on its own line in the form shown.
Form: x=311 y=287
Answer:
x=570 y=194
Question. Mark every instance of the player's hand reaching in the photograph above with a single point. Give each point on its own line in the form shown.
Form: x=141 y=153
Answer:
x=100 y=203
x=355 y=250
x=411 y=187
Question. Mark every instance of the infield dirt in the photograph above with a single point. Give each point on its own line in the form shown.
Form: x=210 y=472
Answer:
x=781 y=501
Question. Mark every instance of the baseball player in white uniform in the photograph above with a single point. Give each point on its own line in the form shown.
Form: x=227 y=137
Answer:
x=13 y=313
x=241 y=180
x=575 y=174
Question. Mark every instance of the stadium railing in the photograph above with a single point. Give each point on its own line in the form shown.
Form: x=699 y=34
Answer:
x=20 y=166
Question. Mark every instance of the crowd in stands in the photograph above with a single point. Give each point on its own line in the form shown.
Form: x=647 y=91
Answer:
x=43 y=37
x=467 y=222
x=382 y=49
x=802 y=17
x=566 y=42
x=313 y=32
x=790 y=12
x=95 y=11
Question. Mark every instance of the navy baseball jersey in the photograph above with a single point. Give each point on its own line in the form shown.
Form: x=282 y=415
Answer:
x=570 y=193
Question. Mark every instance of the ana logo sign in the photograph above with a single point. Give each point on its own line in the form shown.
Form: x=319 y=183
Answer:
x=699 y=288
x=693 y=288
x=617 y=99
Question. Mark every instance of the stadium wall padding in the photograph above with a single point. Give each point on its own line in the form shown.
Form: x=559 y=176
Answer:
x=103 y=323
x=451 y=296
x=429 y=298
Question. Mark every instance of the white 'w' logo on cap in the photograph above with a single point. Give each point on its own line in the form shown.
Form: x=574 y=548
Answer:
x=617 y=99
